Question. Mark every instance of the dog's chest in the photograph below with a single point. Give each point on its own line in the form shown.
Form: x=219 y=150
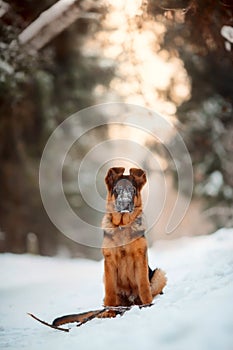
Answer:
x=122 y=237
x=124 y=259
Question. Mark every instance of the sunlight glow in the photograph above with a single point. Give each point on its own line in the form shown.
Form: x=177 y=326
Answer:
x=130 y=8
x=144 y=72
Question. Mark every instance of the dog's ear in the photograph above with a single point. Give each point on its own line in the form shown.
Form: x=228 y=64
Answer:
x=112 y=176
x=139 y=177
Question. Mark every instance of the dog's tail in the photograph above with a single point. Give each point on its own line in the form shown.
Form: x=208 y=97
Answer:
x=157 y=282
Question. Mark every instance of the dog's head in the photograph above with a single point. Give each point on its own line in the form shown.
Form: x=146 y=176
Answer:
x=124 y=190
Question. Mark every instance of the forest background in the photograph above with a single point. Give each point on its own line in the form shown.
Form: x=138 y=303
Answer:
x=174 y=57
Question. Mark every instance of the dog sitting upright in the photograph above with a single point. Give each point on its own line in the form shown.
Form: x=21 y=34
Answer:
x=127 y=277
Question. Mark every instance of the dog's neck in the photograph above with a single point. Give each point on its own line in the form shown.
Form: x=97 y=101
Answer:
x=118 y=235
x=136 y=222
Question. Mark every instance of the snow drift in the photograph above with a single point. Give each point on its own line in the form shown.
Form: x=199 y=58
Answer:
x=195 y=312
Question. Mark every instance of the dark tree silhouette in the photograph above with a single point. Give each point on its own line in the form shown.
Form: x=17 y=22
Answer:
x=39 y=88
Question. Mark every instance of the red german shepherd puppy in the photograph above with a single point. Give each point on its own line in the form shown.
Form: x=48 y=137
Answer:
x=127 y=277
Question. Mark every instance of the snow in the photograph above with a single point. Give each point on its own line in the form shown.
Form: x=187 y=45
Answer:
x=195 y=312
x=46 y=17
x=227 y=33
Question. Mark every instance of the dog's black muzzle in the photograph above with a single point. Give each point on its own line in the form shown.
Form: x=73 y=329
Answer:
x=124 y=193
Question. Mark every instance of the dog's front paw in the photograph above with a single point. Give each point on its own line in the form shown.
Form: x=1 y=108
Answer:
x=108 y=314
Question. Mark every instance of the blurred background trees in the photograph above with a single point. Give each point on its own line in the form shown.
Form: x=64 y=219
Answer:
x=99 y=58
x=195 y=34
x=38 y=90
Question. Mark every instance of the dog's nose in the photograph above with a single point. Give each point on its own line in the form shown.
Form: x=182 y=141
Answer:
x=127 y=207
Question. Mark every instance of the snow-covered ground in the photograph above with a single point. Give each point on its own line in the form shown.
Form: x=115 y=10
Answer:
x=195 y=312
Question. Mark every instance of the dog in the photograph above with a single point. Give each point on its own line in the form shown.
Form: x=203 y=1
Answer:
x=128 y=279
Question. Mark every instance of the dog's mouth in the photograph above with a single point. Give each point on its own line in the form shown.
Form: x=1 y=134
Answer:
x=124 y=193
x=126 y=211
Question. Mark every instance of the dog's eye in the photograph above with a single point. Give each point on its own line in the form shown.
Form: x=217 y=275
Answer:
x=134 y=190
x=131 y=189
x=116 y=190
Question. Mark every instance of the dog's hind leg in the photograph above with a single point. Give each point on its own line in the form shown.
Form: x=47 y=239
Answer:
x=158 y=281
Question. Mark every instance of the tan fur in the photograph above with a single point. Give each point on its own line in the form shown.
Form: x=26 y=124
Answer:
x=126 y=275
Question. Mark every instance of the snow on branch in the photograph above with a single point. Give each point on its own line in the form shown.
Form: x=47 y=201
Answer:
x=4 y=8
x=52 y=22
x=227 y=33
